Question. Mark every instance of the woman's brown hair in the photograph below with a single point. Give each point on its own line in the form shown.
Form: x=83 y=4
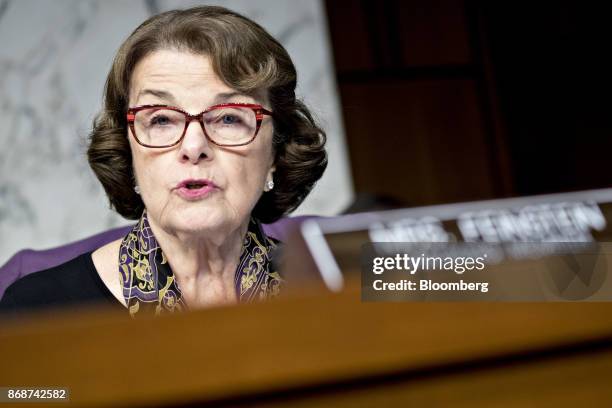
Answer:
x=247 y=59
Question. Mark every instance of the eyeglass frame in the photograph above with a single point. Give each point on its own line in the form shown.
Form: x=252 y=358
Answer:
x=259 y=111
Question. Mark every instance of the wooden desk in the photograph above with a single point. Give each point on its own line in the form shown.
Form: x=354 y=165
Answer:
x=322 y=350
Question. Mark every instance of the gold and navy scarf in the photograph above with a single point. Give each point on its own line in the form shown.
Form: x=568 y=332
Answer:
x=149 y=286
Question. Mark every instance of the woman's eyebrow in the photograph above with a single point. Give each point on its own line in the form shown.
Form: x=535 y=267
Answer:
x=157 y=93
x=220 y=98
x=226 y=96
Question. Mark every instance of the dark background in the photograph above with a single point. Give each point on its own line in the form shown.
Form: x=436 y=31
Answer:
x=447 y=101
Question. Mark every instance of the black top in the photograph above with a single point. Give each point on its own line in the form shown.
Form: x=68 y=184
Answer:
x=74 y=282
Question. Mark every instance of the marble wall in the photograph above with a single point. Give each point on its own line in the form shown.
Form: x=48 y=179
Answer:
x=54 y=57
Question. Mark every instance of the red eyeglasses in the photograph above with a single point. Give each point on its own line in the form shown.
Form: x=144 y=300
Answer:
x=228 y=124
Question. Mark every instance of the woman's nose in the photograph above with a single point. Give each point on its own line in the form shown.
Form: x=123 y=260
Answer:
x=195 y=145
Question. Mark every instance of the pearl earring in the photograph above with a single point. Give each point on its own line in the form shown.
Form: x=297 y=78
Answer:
x=270 y=185
x=137 y=190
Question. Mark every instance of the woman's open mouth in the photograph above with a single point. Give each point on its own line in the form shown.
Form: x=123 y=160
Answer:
x=194 y=189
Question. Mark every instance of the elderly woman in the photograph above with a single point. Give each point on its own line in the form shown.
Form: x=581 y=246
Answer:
x=201 y=138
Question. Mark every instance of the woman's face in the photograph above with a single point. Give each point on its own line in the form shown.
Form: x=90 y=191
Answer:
x=237 y=174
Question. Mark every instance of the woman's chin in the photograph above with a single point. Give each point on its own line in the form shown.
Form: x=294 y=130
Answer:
x=202 y=220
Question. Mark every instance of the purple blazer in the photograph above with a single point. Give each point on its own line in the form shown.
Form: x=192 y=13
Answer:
x=28 y=261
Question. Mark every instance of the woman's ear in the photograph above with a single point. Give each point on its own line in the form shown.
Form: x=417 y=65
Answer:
x=271 y=172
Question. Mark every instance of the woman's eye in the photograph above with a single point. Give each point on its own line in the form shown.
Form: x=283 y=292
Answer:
x=160 y=121
x=229 y=119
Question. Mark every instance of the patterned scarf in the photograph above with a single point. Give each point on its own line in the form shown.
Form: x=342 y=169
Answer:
x=149 y=286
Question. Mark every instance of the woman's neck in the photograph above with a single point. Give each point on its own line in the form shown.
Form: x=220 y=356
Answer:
x=204 y=263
